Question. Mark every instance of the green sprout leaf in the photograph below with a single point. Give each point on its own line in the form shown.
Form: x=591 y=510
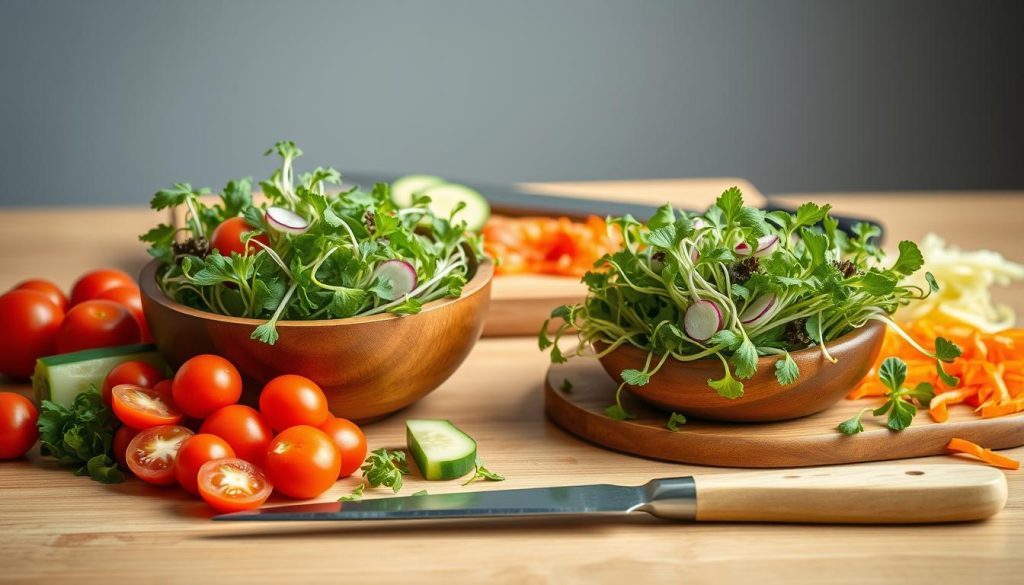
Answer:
x=674 y=421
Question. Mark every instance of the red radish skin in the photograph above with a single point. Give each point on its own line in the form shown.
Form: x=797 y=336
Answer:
x=758 y=309
x=742 y=249
x=286 y=220
x=698 y=223
x=401 y=275
x=702 y=320
x=766 y=246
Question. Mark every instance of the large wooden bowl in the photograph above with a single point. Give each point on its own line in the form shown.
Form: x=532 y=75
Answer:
x=682 y=386
x=368 y=367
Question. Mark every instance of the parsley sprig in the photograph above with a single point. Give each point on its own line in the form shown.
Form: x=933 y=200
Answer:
x=823 y=283
x=482 y=473
x=385 y=468
x=81 y=436
x=899 y=405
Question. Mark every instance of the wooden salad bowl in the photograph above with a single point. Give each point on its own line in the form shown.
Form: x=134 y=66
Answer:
x=369 y=367
x=682 y=386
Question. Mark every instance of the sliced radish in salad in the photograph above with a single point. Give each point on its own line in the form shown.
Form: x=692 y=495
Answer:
x=766 y=245
x=400 y=275
x=742 y=249
x=286 y=220
x=702 y=320
x=757 y=309
x=698 y=223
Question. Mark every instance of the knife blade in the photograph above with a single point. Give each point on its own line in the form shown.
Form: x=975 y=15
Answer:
x=843 y=494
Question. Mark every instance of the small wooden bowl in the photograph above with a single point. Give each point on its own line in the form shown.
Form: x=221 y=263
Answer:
x=682 y=386
x=369 y=367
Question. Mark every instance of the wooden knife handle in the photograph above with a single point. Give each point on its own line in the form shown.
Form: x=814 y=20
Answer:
x=868 y=494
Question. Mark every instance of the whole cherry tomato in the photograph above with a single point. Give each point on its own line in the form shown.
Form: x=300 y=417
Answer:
x=139 y=373
x=18 y=430
x=131 y=298
x=205 y=383
x=52 y=291
x=350 y=441
x=194 y=453
x=92 y=284
x=232 y=485
x=302 y=462
x=227 y=238
x=97 y=323
x=29 y=325
x=122 y=438
x=243 y=428
x=289 y=400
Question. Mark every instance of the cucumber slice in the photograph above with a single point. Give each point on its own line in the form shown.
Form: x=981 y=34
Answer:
x=444 y=198
x=404 y=188
x=60 y=378
x=440 y=449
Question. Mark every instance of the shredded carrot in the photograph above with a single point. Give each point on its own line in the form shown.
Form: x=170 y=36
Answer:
x=987 y=455
x=547 y=245
x=991 y=368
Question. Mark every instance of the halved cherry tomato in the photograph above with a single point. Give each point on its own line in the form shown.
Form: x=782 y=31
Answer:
x=143 y=408
x=97 y=323
x=29 y=326
x=52 y=291
x=350 y=441
x=18 y=431
x=139 y=373
x=122 y=438
x=152 y=452
x=227 y=238
x=205 y=383
x=92 y=284
x=130 y=297
x=289 y=400
x=243 y=428
x=196 y=451
x=232 y=485
x=302 y=462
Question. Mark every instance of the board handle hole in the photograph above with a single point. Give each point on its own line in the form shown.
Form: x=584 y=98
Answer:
x=915 y=473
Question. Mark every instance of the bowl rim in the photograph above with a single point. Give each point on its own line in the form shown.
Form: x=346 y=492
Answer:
x=850 y=337
x=150 y=289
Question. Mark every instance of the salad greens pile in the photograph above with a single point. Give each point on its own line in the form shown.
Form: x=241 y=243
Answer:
x=309 y=254
x=736 y=284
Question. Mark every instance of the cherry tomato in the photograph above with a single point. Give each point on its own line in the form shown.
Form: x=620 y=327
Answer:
x=143 y=408
x=18 y=430
x=302 y=462
x=350 y=441
x=52 y=291
x=97 y=323
x=163 y=387
x=130 y=298
x=243 y=428
x=29 y=325
x=122 y=438
x=194 y=453
x=152 y=452
x=232 y=485
x=227 y=238
x=205 y=383
x=139 y=373
x=92 y=284
x=289 y=400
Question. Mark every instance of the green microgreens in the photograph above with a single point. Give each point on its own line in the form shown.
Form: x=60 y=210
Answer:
x=898 y=407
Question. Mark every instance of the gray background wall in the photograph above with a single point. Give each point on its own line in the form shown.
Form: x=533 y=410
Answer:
x=106 y=101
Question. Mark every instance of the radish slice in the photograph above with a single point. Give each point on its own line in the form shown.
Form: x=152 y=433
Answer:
x=400 y=274
x=286 y=220
x=766 y=245
x=695 y=255
x=702 y=320
x=757 y=309
x=742 y=249
x=698 y=223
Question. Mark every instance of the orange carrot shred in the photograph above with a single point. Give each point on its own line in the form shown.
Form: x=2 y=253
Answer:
x=987 y=455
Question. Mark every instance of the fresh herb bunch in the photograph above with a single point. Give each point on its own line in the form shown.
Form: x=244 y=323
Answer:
x=328 y=271
x=81 y=436
x=750 y=283
x=385 y=468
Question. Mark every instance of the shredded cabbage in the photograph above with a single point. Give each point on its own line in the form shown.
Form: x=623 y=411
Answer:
x=965 y=280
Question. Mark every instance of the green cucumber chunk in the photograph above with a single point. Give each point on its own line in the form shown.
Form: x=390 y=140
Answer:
x=405 y=188
x=444 y=198
x=60 y=378
x=440 y=449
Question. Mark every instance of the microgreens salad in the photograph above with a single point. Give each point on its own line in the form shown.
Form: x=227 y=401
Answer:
x=737 y=283
x=307 y=253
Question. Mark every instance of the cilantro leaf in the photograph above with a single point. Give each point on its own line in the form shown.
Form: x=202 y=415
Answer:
x=786 y=370
x=893 y=373
x=385 y=468
x=910 y=259
x=616 y=412
x=482 y=473
x=744 y=359
x=674 y=420
x=354 y=495
x=946 y=350
x=853 y=425
x=727 y=386
x=635 y=377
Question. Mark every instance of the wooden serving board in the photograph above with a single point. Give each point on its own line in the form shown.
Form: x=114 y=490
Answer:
x=808 y=441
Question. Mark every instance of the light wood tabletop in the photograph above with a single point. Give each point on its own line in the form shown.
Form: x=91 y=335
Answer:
x=55 y=527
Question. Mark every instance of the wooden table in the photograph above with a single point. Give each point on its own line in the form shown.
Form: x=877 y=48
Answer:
x=55 y=527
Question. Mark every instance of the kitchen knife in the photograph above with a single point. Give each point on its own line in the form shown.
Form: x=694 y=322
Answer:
x=871 y=494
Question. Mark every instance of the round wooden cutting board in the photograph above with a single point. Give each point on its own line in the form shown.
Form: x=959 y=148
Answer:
x=802 y=442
